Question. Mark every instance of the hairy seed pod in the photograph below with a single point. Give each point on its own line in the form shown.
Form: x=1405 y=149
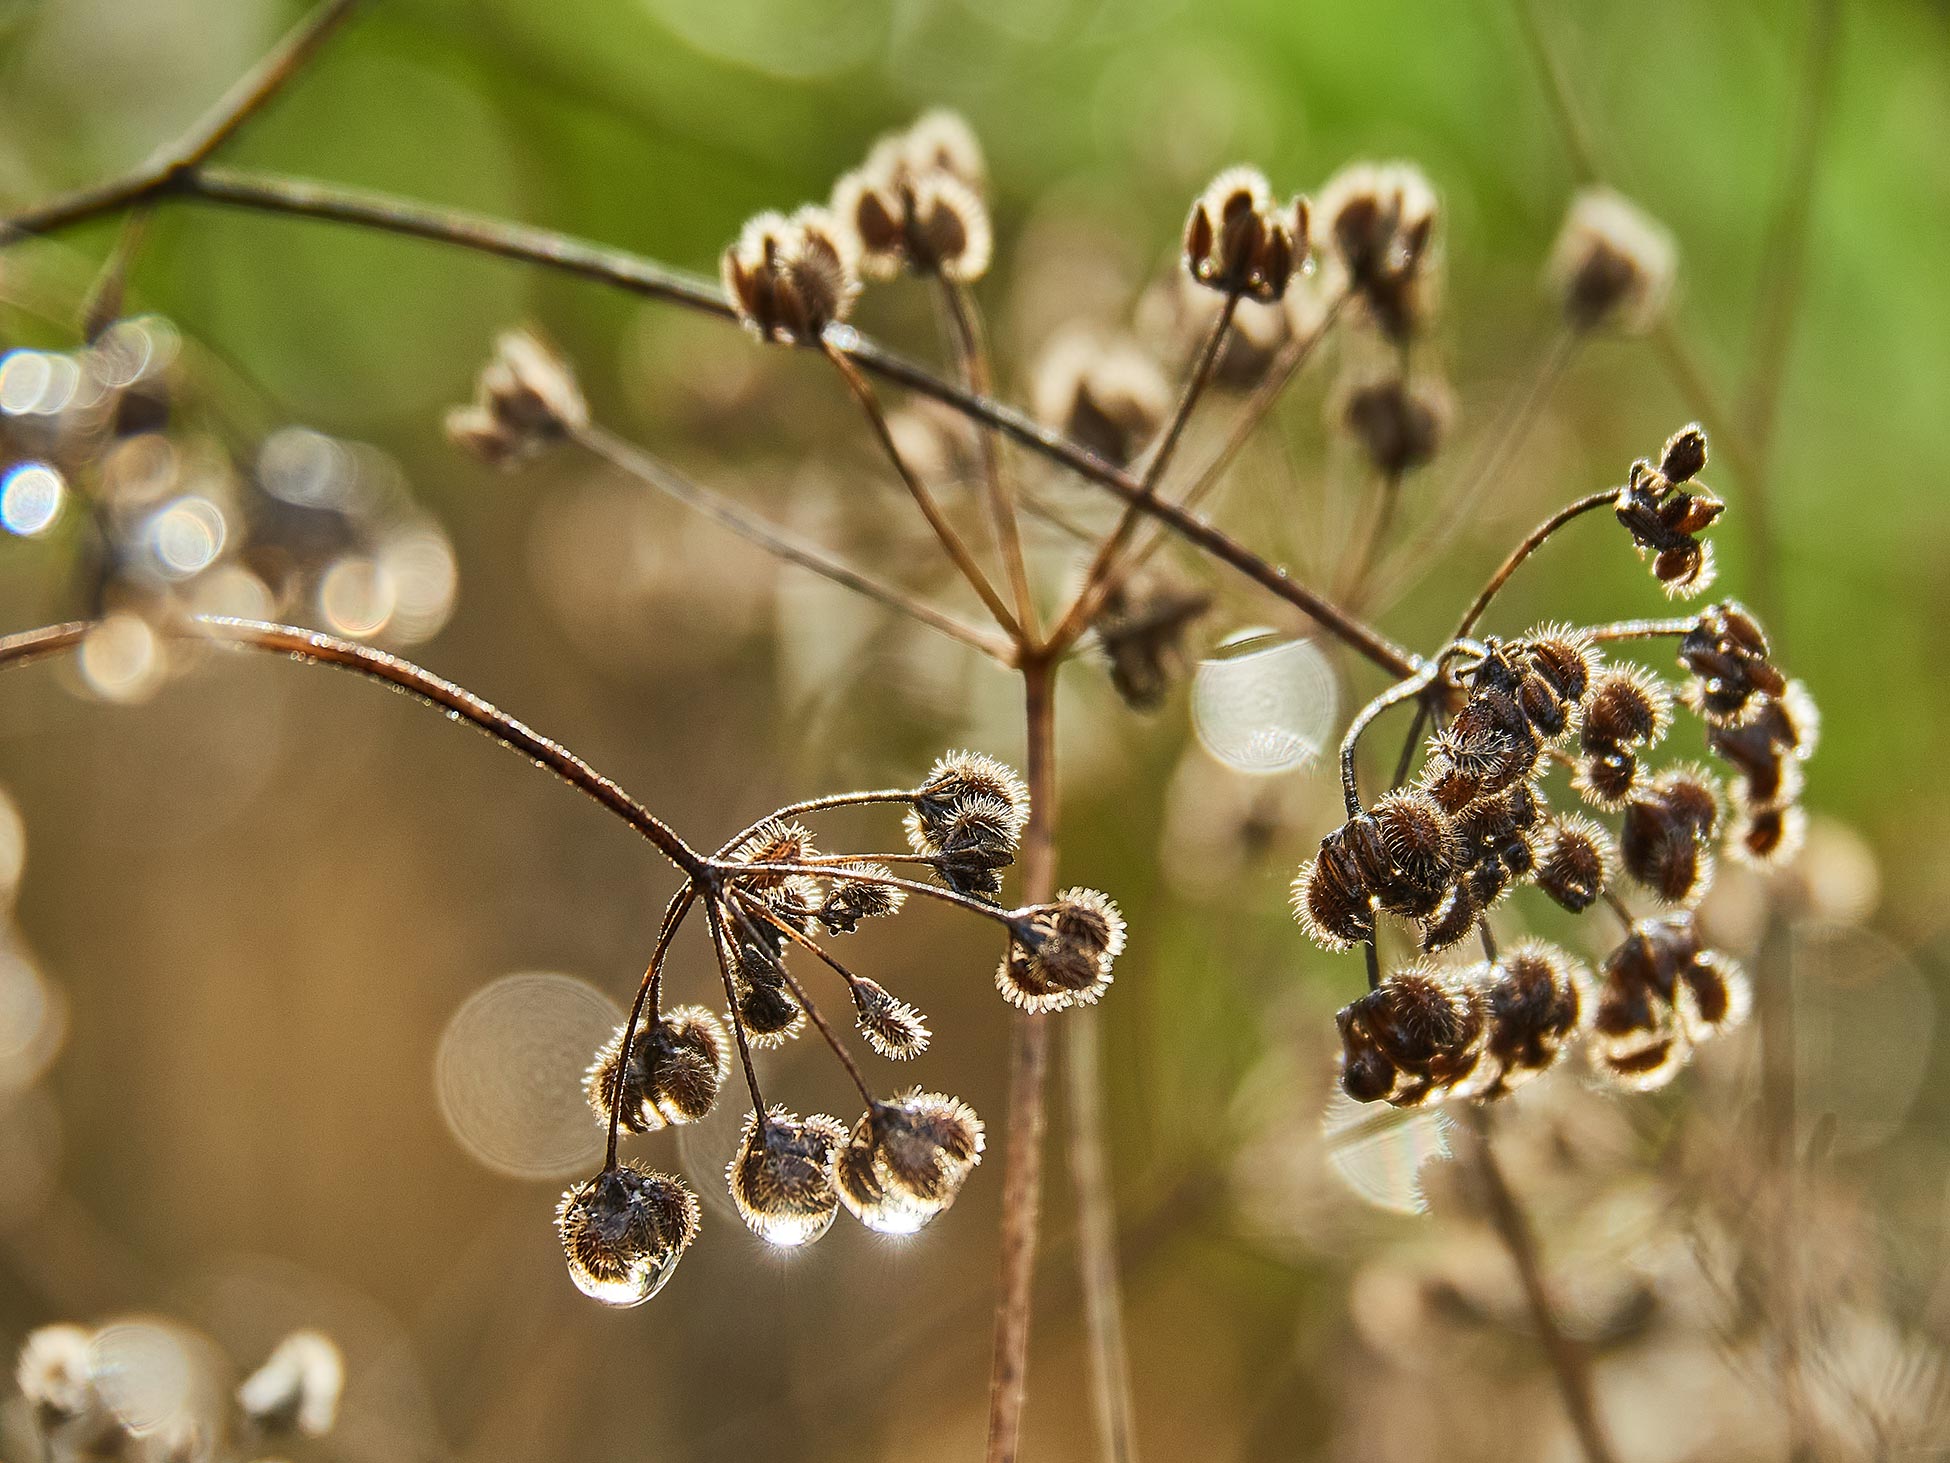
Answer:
x=907 y=1159
x=1567 y=659
x=1548 y=713
x=1417 y=1034
x=1684 y=455
x=1063 y=953
x=771 y=1014
x=624 y=1231
x=781 y=1176
x=1575 y=862
x=929 y=223
x=1766 y=838
x=525 y=400
x=297 y=1389
x=1240 y=242
x=1398 y=424
x=1533 y=997
x=1452 y=786
x=1380 y=222
x=1612 y=266
x=1733 y=674
x=1331 y=901
x=1453 y=919
x=631 y=1100
x=853 y=894
x=892 y=1027
x=1625 y=706
x=1141 y=631
x=1607 y=778
x=1713 y=996
x=790 y=278
x=1663 y=850
x=1105 y=393
x=686 y=1056
x=959 y=779
x=1647 y=1017
x=1420 y=838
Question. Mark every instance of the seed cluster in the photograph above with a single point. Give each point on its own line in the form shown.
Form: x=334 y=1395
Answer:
x=1240 y=242
x=1665 y=518
x=525 y=400
x=915 y=205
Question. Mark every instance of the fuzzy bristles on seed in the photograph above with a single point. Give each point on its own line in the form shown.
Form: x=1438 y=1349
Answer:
x=1106 y=393
x=780 y=1177
x=1566 y=657
x=1613 y=265
x=1767 y=838
x=892 y=1027
x=961 y=778
x=1626 y=705
x=790 y=278
x=1576 y=861
x=850 y=897
x=624 y=1231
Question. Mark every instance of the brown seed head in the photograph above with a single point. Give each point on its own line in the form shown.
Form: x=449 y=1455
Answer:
x=1398 y=424
x=790 y=278
x=1105 y=393
x=525 y=400
x=781 y=1175
x=1238 y=241
x=892 y=1027
x=624 y=1231
x=1612 y=266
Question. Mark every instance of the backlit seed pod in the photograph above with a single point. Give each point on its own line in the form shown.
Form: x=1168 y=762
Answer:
x=1416 y=1035
x=1766 y=838
x=1626 y=705
x=1420 y=838
x=1576 y=860
x=55 y=1375
x=1636 y=1041
x=850 y=899
x=1665 y=519
x=1661 y=994
x=781 y=1176
x=525 y=400
x=892 y=1027
x=686 y=1057
x=1565 y=657
x=1606 y=779
x=1733 y=674
x=927 y=223
x=1331 y=901
x=1533 y=997
x=771 y=1014
x=1664 y=839
x=1612 y=266
x=1398 y=424
x=790 y=278
x=1239 y=241
x=1453 y=919
x=1685 y=454
x=1713 y=996
x=600 y=1086
x=1141 y=632
x=1106 y=394
x=937 y=142
x=1064 y=956
x=1380 y=223
x=958 y=779
x=1453 y=786
x=297 y=1389
x=624 y=1231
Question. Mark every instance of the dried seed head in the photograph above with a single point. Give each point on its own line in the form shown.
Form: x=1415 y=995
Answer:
x=677 y=1064
x=781 y=1176
x=1625 y=705
x=1141 y=632
x=938 y=142
x=1063 y=952
x=1238 y=241
x=525 y=400
x=1684 y=455
x=600 y=1085
x=624 y=1231
x=976 y=844
x=790 y=278
x=925 y=223
x=957 y=781
x=1105 y=393
x=850 y=898
x=1419 y=837
x=1567 y=658
x=298 y=1387
x=892 y=1027
x=1665 y=837
x=907 y=1159
x=1380 y=222
x=1613 y=265
x=1662 y=994
x=1605 y=779
x=1533 y=996
x=1733 y=674
x=1713 y=996
x=1416 y=1035
x=1399 y=424
x=1767 y=837
x=1452 y=921
x=1576 y=860
x=771 y=1014
x=55 y=1374
x=1665 y=519
x=1331 y=899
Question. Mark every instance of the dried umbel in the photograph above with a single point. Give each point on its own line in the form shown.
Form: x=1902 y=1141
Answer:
x=1613 y=265
x=1379 y=221
x=1416 y=1035
x=1141 y=630
x=1106 y=394
x=790 y=278
x=781 y=1175
x=906 y=1160
x=968 y=818
x=916 y=203
x=1666 y=837
x=1662 y=993
x=1398 y=424
x=1062 y=953
x=677 y=1064
x=297 y=1389
x=624 y=1231
x=892 y=1027
x=1665 y=511
x=1240 y=242
x=525 y=401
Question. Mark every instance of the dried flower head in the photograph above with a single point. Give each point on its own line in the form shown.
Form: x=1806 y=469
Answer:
x=1661 y=994
x=1062 y=953
x=853 y=893
x=1666 y=519
x=771 y=1014
x=297 y=1389
x=781 y=1176
x=892 y=1027
x=961 y=783
x=1733 y=674
x=624 y=1231
x=1613 y=265
x=1533 y=998
x=1576 y=861
x=525 y=400
x=922 y=221
x=790 y=278
x=1416 y=1035
x=1105 y=393
x=1141 y=631
x=906 y=1160
x=1666 y=836
x=1380 y=221
x=1398 y=423
x=1240 y=242
x=677 y=1064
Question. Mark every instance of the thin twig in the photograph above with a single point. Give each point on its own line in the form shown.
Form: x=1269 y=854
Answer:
x=1097 y=1262
x=647 y=993
x=1532 y=542
x=778 y=543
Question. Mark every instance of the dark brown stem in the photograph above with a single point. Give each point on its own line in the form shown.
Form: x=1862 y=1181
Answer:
x=646 y=998
x=311 y=646
x=1022 y=1176
x=806 y=1002
x=1402 y=690
x=1097 y=1261
x=1533 y=542
x=714 y=911
x=1512 y=1225
x=957 y=549
x=972 y=359
x=814 y=805
x=778 y=543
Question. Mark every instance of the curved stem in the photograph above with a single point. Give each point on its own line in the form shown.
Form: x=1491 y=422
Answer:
x=776 y=542
x=725 y=869
x=1530 y=545
x=971 y=354
x=806 y=1001
x=1413 y=685
x=310 y=645
x=646 y=995
x=714 y=912
x=1644 y=629
x=951 y=541
x=814 y=805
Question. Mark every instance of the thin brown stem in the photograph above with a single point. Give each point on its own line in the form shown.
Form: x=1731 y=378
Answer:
x=102 y=305
x=1097 y=1260
x=1533 y=541
x=814 y=805
x=313 y=647
x=1569 y=1365
x=1022 y=1177
x=1557 y=92
x=730 y=869
x=1401 y=691
x=1096 y=579
x=647 y=992
x=972 y=359
x=778 y=543
x=806 y=1002
x=951 y=541
x=714 y=912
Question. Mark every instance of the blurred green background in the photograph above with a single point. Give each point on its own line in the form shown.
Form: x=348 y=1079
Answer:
x=263 y=893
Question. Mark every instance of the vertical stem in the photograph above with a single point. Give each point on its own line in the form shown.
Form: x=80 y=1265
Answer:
x=1022 y=1175
x=1567 y=1358
x=1103 y=1301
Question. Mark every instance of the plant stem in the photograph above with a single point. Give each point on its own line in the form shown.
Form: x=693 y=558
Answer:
x=806 y=1002
x=776 y=542
x=1022 y=1175
x=1512 y=1225
x=971 y=355
x=1097 y=1262
x=646 y=995
x=1532 y=542
x=311 y=646
x=727 y=869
